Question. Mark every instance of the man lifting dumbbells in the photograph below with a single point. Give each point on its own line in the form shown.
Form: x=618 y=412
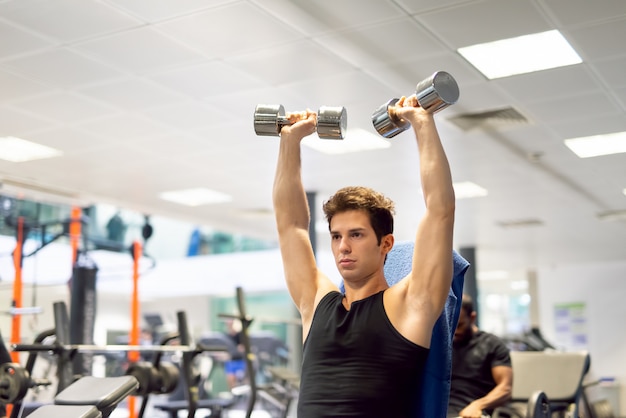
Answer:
x=364 y=350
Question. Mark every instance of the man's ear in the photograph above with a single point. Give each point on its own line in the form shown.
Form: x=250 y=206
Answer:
x=387 y=243
x=473 y=317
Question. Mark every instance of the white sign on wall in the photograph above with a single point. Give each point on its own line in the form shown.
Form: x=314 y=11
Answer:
x=570 y=322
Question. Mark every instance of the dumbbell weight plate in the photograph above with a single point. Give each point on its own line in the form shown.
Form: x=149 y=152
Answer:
x=169 y=376
x=14 y=382
x=386 y=122
x=268 y=119
x=437 y=92
x=332 y=122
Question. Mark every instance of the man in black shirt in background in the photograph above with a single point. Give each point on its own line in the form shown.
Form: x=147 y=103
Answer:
x=482 y=376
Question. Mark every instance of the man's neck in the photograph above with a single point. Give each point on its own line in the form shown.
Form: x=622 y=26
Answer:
x=354 y=293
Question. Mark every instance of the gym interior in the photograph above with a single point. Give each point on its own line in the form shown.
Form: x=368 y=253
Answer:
x=141 y=233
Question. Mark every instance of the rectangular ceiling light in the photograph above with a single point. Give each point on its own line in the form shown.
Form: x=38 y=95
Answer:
x=356 y=140
x=522 y=54
x=467 y=189
x=195 y=197
x=19 y=150
x=594 y=146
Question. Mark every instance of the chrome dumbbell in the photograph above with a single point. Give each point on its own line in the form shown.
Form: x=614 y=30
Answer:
x=331 y=121
x=434 y=93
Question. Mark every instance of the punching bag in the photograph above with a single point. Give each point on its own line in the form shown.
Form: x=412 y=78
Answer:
x=83 y=311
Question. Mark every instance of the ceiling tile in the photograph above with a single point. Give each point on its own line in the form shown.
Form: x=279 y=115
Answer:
x=132 y=93
x=191 y=115
x=155 y=10
x=484 y=21
x=16 y=87
x=603 y=40
x=241 y=104
x=140 y=51
x=179 y=146
x=587 y=126
x=21 y=41
x=211 y=79
x=67 y=139
x=416 y=70
x=418 y=6
x=15 y=123
x=323 y=16
x=612 y=71
x=621 y=94
x=64 y=107
x=577 y=106
x=66 y=20
x=574 y=12
x=124 y=127
x=343 y=90
x=371 y=45
x=215 y=34
x=478 y=98
x=318 y=63
x=61 y=68
x=550 y=84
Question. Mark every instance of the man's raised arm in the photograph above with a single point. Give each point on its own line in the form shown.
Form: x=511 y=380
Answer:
x=292 y=216
x=432 y=271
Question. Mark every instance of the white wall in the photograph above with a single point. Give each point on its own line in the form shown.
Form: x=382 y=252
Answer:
x=602 y=289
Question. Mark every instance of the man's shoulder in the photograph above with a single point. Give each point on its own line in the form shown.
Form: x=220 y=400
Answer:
x=488 y=338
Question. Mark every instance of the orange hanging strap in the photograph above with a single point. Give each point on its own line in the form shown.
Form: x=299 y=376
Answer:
x=75 y=231
x=133 y=356
x=17 y=287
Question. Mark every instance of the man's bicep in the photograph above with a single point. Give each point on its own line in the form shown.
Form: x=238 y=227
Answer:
x=502 y=374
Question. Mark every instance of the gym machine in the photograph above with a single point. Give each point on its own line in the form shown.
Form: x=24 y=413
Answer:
x=142 y=378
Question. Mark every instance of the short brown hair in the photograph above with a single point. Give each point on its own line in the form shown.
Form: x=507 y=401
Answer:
x=379 y=208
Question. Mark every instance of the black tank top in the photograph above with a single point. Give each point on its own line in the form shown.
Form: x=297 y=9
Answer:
x=356 y=364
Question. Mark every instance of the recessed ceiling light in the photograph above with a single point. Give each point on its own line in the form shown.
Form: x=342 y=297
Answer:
x=522 y=54
x=195 y=197
x=594 y=146
x=492 y=275
x=356 y=140
x=612 y=215
x=19 y=150
x=521 y=223
x=467 y=189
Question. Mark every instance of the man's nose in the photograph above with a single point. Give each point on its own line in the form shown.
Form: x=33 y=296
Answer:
x=343 y=246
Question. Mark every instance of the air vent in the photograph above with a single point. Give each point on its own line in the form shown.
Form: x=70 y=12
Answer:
x=491 y=119
x=520 y=223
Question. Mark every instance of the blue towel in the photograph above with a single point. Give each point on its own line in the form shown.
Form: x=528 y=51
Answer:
x=432 y=400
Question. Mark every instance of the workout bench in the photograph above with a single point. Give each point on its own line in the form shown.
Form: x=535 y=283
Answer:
x=547 y=382
x=89 y=397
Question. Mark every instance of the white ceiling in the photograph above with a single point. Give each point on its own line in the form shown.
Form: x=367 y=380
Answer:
x=146 y=96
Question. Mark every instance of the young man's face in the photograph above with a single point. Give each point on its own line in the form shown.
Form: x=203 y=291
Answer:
x=355 y=246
